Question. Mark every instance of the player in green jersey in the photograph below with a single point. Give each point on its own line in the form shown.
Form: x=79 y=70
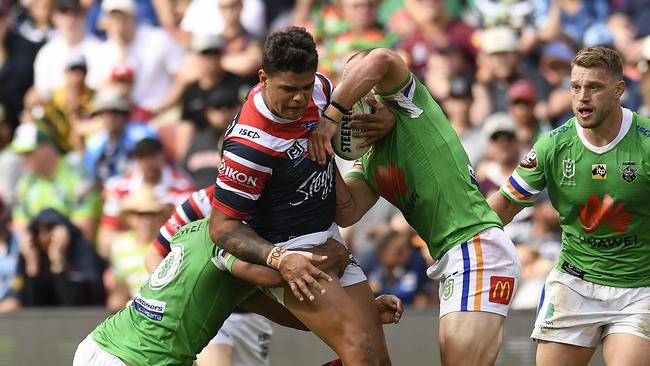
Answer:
x=186 y=300
x=422 y=169
x=597 y=172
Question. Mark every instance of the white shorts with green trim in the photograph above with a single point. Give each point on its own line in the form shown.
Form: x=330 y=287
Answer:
x=582 y=313
x=480 y=274
x=249 y=335
x=352 y=275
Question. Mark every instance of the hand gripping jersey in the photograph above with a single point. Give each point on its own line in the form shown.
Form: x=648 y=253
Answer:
x=266 y=178
x=186 y=299
x=422 y=169
x=602 y=195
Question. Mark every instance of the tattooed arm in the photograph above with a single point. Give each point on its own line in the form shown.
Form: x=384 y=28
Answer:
x=241 y=241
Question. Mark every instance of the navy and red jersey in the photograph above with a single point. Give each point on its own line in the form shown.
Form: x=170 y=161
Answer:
x=266 y=178
x=196 y=207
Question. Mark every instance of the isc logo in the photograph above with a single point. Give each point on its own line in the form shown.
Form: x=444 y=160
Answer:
x=249 y=133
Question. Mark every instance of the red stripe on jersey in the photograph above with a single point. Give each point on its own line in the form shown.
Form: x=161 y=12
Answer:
x=227 y=210
x=160 y=248
x=241 y=177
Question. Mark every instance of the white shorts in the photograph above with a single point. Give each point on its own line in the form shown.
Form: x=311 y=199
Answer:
x=250 y=336
x=480 y=274
x=582 y=313
x=352 y=275
x=89 y=353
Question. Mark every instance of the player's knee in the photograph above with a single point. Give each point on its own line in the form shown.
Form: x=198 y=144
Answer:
x=358 y=345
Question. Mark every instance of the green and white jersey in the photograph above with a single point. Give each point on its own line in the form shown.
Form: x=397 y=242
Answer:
x=422 y=169
x=602 y=195
x=180 y=308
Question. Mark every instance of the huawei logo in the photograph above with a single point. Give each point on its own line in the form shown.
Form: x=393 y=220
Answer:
x=391 y=182
x=598 y=213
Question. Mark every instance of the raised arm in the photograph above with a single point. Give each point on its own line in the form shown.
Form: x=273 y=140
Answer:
x=381 y=69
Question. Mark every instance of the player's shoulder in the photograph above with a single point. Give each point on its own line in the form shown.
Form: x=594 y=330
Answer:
x=642 y=126
x=198 y=226
x=557 y=137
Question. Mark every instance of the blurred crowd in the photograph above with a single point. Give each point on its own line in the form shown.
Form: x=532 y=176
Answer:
x=112 y=113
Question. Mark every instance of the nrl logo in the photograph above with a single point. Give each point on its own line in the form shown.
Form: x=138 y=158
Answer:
x=628 y=173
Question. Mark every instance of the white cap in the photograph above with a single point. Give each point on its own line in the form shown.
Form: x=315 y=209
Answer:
x=498 y=39
x=124 y=6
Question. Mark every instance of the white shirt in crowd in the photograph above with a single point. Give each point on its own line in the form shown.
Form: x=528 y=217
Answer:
x=49 y=65
x=155 y=58
x=204 y=17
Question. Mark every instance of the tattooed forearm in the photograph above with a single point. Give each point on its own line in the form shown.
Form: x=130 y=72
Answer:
x=239 y=240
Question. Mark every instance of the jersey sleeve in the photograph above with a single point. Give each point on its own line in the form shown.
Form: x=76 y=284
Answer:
x=529 y=178
x=407 y=98
x=196 y=207
x=243 y=174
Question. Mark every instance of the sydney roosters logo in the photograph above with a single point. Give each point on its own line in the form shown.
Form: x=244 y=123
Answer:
x=390 y=183
x=604 y=212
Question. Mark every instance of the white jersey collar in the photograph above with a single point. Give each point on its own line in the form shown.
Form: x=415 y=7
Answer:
x=625 y=127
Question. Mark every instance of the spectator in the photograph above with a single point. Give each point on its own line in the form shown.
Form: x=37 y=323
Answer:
x=36 y=24
x=51 y=182
x=143 y=214
x=209 y=50
x=69 y=40
x=70 y=106
x=16 y=70
x=555 y=68
x=523 y=98
x=145 y=11
x=441 y=66
x=58 y=267
x=364 y=32
x=107 y=152
x=514 y=13
x=457 y=106
x=122 y=79
x=630 y=27
x=498 y=66
x=502 y=156
x=205 y=16
x=9 y=162
x=568 y=18
x=401 y=271
x=151 y=52
x=242 y=50
x=9 y=255
x=205 y=150
x=431 y=28
x=169 y=184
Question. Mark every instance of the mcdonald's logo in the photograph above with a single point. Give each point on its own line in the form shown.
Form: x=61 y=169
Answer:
x=501 y=289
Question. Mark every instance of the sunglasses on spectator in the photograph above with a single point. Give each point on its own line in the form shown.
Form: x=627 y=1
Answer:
x=509 y=136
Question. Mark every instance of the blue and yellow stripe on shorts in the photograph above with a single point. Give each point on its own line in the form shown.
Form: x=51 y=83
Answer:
x=475 y=243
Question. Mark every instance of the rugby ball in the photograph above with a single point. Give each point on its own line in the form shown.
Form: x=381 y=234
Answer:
x=343 y=143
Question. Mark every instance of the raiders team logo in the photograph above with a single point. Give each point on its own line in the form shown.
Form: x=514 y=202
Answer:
x=628 y=171
x=295 y=151
x=529 y=161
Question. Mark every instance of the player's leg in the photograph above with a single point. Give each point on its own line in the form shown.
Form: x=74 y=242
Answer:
x=477 y=281
x=562 y=354
x=337 y=320
x=470 y=338
x=363 y=297
x=626 y=350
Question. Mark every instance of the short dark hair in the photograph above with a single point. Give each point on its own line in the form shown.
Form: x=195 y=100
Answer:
x=600 y=56
x=292 y=50
x=146 y=147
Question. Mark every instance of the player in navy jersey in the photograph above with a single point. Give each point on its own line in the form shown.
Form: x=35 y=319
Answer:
x=270 y=197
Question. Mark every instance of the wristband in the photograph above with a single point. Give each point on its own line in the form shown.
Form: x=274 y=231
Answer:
x=278 y=254
x=340 y=107
x=230 y=260
x=334 y=114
